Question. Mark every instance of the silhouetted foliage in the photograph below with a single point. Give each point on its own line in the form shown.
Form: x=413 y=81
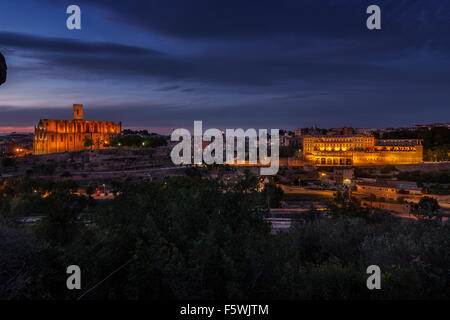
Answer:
x=442 y=176
x=436 y=142
x=134 y=140
x=427 y=208
x=3 y=69
x=7 y=162
x=273 y=194
x=192 y=238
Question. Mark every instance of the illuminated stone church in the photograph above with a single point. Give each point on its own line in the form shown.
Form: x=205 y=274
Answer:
x=52 y=136
x=359 y=150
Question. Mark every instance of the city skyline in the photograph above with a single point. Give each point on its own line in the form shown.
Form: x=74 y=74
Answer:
x=222 y=158
x=163 y=65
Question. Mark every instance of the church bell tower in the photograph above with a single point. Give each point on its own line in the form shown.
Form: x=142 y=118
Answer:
x=77 y=112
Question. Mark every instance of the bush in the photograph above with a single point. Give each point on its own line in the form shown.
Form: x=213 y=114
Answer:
x=45 y=169
x=191 y=238
x=66 y=174
x=7 y=162
x=388 y=169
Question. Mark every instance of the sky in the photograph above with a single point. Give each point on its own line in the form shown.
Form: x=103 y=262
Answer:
x=160 y=65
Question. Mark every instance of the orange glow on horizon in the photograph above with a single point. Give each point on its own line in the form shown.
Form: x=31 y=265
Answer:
x=16 y=129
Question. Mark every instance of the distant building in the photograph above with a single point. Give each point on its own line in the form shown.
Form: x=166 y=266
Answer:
x=52 y=136
x=3 y=147
x=290 y=141
x=360 y=150
x=333 y=132
x=300 y=132
x=387 y=189
x=18 y=144
x=430 y=126
x=285 y=140
x=346 y=131
x=365 y=131
x=296 y=142
x=343 y=175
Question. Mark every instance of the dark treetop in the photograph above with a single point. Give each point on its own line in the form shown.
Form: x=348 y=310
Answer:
x=3 y=68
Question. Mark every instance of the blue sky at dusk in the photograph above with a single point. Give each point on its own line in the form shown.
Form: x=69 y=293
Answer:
x=263 y=64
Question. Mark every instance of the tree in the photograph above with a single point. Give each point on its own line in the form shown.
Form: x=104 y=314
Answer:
x=427 y=208
x=273 y=195
x=90 y=190
x=191 y=238
x=7 y=162
x=29 y=270
x=3 y=68
x=62 y=218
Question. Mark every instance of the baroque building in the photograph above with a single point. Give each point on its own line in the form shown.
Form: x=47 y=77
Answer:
x=359 y=150
x=52 y=136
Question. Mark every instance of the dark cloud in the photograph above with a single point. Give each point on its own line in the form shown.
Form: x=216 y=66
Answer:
x=168 y=88
x=69 y=46
x=258 y=70
x=319 y=65
x=219 y=19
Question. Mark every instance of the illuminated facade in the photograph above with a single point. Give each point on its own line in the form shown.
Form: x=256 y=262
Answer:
x=358 y=150
x=52 y=136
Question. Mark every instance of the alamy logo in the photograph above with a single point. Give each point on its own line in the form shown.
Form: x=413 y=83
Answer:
x=374 y=20
x=74 y=20
x=236 y=141
x=374 y=281
x=74 y=280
